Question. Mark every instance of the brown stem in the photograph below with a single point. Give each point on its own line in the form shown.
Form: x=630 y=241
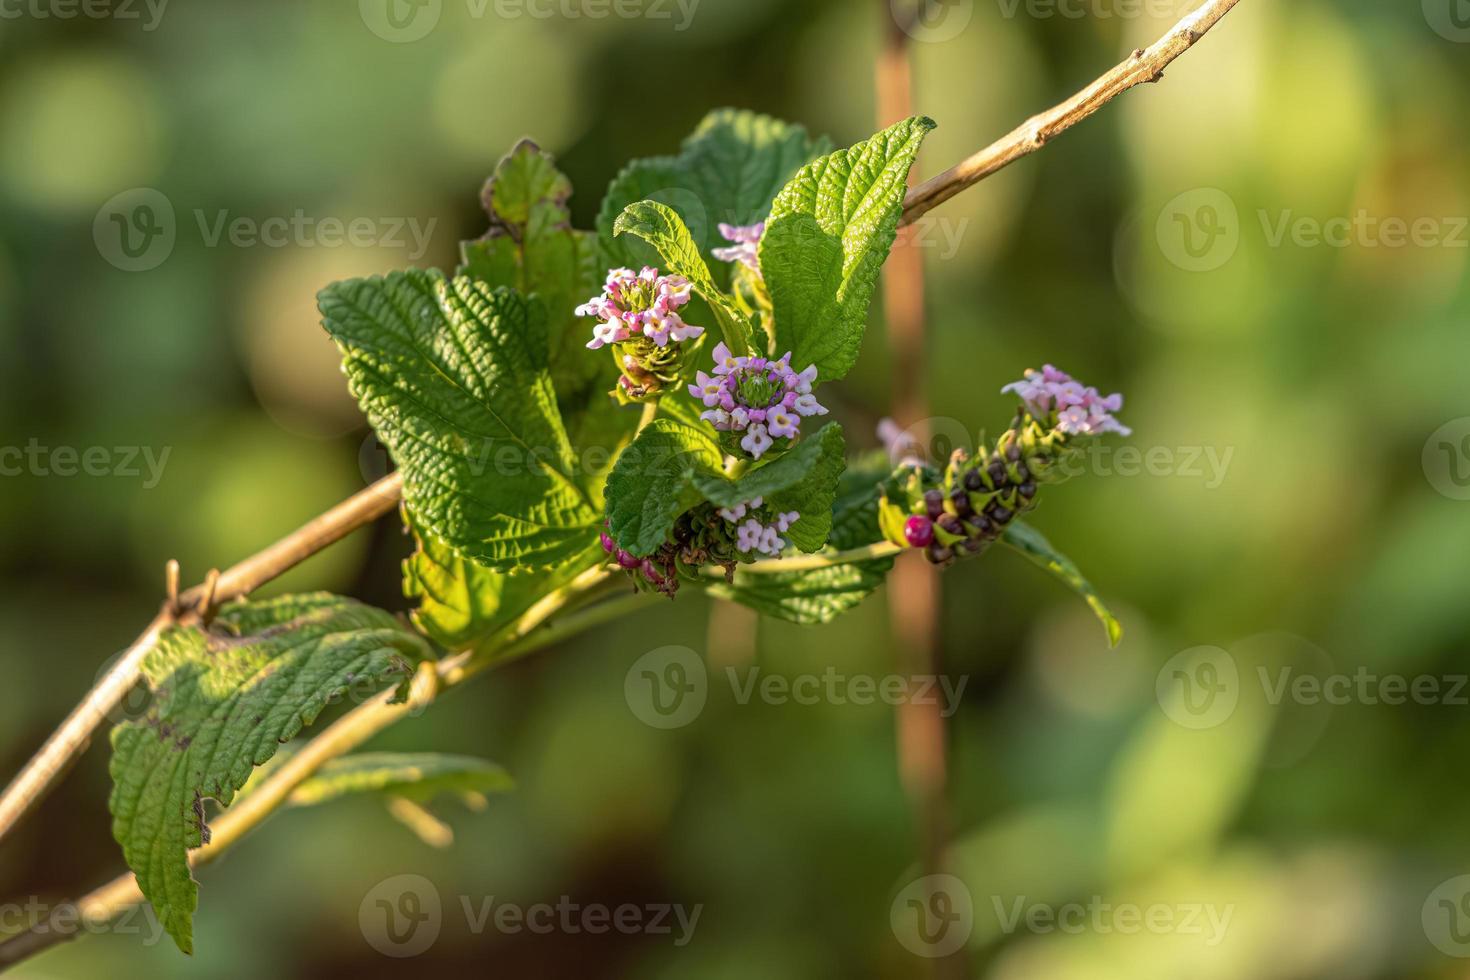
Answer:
x=914 y=600
x=1144 y=65
x=69 y=741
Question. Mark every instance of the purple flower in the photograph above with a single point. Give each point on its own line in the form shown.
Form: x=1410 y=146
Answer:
x=747 y=243
x=644 y=304
x=1080 y=410
x=754 y=535
x=763 y=398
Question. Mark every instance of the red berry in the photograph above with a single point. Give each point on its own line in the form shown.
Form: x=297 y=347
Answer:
x=918 y=531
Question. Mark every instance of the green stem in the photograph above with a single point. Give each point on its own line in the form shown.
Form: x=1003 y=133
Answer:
x=650 y=412
x=532 y=631
x=807 y=563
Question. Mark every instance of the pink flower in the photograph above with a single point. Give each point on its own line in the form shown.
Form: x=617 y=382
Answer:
x=806 y=405
x=756 y=441
x=757 y=531
x=757 y=396
x=746 y=249
x=643 y=304
x=1080 y=410
x=706 y=388
x=783 y=426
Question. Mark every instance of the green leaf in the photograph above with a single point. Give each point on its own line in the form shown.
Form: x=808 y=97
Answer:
x=223 y=701
x=805 y=598
x=653 y=483
x=453 y=377
x=729 y=170
x=1034 y=545
x=661 y=226
x=804 y=480
x=821 y=595
x=418 y=776
x=462 y=603
x=531 y=247
x=828 y=236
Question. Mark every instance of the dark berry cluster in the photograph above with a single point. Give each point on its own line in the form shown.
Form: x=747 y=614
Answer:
x=701 y=537
x=975 y=502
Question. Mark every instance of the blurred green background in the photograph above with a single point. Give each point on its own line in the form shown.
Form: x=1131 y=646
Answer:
x=1328 y=539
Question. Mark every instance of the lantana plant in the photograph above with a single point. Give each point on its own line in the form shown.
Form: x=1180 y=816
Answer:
x=541 y=477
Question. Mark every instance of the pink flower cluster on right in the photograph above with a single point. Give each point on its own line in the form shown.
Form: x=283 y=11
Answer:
x=1080 y=410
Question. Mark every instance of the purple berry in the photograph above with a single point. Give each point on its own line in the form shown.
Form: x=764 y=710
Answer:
x=1028 y=490
x=950 y=524
x=628 y=561
x=934 y=503
x=918 y=531
x=607 y=543
x=961 y=501
x=973 y=481
x=938 y=554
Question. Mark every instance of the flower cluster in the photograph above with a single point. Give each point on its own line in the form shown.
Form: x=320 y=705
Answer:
x=644 y=304
x=754 y=536
x=1080 y=410
x=965 y=507
x=745 y=250
x=762 y=398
